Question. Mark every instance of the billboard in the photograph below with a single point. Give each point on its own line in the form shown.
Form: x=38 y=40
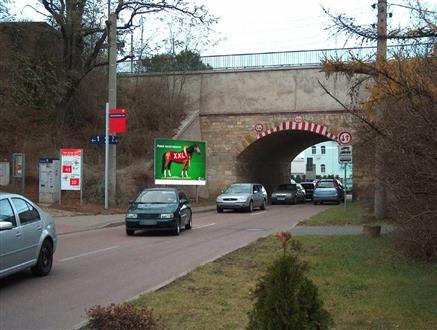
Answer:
x=71 y=169
x=180 y=162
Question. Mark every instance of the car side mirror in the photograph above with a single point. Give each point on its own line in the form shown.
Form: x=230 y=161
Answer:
x=5 y=225
x=183 y=201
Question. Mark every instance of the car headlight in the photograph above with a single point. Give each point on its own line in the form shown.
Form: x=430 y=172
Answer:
x=167 y=216
x=131 y=215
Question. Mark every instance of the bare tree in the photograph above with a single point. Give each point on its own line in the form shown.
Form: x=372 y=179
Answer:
x=4 y=9
x=82 y=25
x=403 y=91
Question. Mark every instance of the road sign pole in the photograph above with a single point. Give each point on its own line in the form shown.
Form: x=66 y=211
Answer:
x=106 y=154
x=345 y=189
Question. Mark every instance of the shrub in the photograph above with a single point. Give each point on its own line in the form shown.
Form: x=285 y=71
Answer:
x=287 y=299
x=122 y=317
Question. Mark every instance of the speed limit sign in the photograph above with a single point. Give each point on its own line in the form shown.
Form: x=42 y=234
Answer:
x=345 y=137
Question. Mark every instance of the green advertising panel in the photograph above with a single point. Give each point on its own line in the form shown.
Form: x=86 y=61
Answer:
x=180 y=162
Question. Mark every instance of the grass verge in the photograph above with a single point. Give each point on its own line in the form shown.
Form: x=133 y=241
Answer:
x=364 y=283
x=338 y=215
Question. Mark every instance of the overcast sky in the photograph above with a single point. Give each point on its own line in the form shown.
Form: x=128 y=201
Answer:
x=248 y=26
x=279 y=25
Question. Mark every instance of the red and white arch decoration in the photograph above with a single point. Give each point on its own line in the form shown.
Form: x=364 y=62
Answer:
x=302 y=126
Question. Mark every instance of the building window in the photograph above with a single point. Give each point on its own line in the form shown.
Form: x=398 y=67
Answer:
x=313 y=150
x=322 y=168
x=323 y=150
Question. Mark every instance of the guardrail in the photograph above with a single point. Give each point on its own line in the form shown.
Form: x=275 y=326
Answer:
x=276 y=59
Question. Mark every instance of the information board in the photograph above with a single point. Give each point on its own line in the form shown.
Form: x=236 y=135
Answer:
x=345 y=154
x=71 y=169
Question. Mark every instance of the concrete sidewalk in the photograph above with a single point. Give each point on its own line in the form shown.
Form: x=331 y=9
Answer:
x=70 y=222
x=334 y=230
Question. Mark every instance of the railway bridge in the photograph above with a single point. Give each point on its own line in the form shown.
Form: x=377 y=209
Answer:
x=256 y=119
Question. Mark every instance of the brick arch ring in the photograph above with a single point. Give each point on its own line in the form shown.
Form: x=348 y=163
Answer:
x=302 y=126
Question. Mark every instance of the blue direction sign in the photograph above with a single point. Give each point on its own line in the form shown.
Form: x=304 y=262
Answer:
x=100 y=139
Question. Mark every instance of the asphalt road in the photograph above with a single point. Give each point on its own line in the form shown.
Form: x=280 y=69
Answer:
x=105 y=266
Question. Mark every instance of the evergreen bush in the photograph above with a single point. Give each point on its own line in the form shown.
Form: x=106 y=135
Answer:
x=287 y=299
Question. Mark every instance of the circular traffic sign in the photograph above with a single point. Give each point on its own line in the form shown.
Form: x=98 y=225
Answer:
x=259 y=128
x=345 y=137
x=298 y=119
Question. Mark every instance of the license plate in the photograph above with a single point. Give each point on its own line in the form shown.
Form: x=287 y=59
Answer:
x=281 y=198
x=148 y=222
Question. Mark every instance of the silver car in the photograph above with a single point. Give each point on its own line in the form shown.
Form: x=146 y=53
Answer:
x=246 y=196
x=288 y=193
x=27 y=236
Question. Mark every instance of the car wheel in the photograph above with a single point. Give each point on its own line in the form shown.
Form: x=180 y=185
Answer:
x=177 y=229
x=294 y=200
x=219 y=209
x=45 y=260
x=130 y=232
x=189 y=225
x=315 y=202
x=263 y=205
x=250 y=207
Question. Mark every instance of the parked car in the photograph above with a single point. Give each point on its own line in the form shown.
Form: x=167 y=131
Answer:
x=27 y=236
x=159 y=209
x=244 y=196
x=309 y=189
x=328 y=190
x=288 y=193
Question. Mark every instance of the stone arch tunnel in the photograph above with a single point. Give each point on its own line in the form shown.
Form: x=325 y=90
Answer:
x=267 y=160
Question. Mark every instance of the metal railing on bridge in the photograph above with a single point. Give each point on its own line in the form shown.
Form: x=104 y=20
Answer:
x=299 y=58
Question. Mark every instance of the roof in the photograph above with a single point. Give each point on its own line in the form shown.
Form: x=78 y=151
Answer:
x=8 y=194
x=160 y=188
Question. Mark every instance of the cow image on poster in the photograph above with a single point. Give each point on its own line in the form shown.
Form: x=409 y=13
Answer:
x=182 y=157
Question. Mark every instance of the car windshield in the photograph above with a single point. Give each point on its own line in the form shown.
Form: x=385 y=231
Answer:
x=287 y=187
x=325 y=184
x=157 y=197
x=238 y=189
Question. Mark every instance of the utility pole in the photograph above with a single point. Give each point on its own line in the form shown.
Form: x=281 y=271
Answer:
x=380 y=201
x=112 y=99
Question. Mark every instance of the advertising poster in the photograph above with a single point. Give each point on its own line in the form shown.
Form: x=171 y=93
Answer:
x=180 y=162
x=71 y=169
x=17 y=165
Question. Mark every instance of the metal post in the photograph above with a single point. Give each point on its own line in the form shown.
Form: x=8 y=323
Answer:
x=81 y=176
x=60 y=177
x=106 y=154
x=112 y=100
x=23 y=177
x=380 y=196
x=345 y=189
x=132 y=52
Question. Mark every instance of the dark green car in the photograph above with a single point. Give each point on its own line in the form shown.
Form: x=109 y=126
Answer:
x=159 y=209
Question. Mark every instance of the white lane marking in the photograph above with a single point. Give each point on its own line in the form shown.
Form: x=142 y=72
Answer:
x=89 y=253
x=208 y=225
